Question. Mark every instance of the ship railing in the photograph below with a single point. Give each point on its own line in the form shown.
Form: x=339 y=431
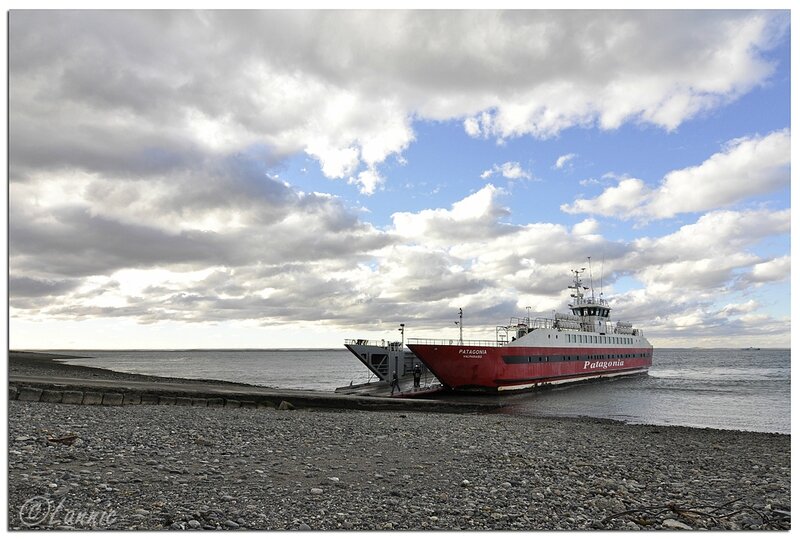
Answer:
x=381 y=343
x=572 y=325
x=590 y=301
x=456 y=342
x=544 y=323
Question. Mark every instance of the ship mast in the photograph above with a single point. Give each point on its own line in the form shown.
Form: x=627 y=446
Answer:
x=577 y=285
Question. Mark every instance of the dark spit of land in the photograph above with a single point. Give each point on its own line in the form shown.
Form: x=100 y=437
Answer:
x=25 y=363
x=169 y=467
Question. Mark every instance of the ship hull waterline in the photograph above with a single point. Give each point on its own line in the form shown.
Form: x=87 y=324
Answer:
x=517 y=369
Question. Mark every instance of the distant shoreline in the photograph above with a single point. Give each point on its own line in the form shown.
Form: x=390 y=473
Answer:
x=30 y=363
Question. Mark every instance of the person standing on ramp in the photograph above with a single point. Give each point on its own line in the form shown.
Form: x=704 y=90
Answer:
x=395 y=382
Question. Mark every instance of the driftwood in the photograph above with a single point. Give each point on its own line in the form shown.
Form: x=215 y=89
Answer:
x=715 y=513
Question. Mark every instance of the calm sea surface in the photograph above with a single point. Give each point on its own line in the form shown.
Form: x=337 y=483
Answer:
x=719 y=388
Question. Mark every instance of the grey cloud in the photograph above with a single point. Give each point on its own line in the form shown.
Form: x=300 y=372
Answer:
x=116 y=95
x=79 y=243
x=150 y=71
x=29 y=287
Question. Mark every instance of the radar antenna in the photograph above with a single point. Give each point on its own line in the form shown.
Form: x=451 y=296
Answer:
x=577 y=284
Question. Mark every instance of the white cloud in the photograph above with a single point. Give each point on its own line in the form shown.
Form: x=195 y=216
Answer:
x=621 y=200
x=348 y=92
x=720 y=233
x=740 y=308
x=138 y=165
x=334 y=162
x=563 y=160
x=775 y=270
x=475 y=216
x=510 y=170
x=745 y=167
x=585 y=227
x=368 y=180
x=317 y=261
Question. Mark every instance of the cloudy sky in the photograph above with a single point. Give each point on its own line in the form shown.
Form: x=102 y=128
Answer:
x=291 y=179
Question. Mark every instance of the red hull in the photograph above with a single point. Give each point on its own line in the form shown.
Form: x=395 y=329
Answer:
x=466 y=367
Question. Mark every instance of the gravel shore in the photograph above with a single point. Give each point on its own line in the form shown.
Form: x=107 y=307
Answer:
x=169 y=467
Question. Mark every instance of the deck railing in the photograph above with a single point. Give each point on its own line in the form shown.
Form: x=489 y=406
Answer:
x=383 y=344
x=450 y=342
x=506 y=333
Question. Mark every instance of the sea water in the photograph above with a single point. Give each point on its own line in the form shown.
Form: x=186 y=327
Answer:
x=717 y=388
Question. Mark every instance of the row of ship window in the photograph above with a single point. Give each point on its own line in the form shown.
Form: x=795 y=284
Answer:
x=591 y=357
x=593 y=339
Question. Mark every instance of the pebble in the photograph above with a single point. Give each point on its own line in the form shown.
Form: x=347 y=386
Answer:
x=143 y=461
x=675 y=524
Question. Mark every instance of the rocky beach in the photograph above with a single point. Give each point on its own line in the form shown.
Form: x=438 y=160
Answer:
x=172 y=467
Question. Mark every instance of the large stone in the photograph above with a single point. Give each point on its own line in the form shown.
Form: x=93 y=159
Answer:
x=199 y=402
x=51 y=395
x=12 y=393
x=675 y=524
x=72 y=397
x=30 y=394
x=286 y=405
x=112 y=399
x=92 y=397
x=183 y=401
x=163 y=399
x=131 y=398
x=216 y=403
x=149 y=399
x=232 y=403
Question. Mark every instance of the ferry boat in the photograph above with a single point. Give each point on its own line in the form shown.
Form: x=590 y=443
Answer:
x=528 y=354
x=383 y=358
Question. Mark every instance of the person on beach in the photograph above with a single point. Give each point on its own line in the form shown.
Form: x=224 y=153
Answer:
x=417 y=375
x=395 y=382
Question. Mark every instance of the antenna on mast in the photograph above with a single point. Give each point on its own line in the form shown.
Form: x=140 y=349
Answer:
x=591 y=279
x=602 y=263
x=460 y=325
